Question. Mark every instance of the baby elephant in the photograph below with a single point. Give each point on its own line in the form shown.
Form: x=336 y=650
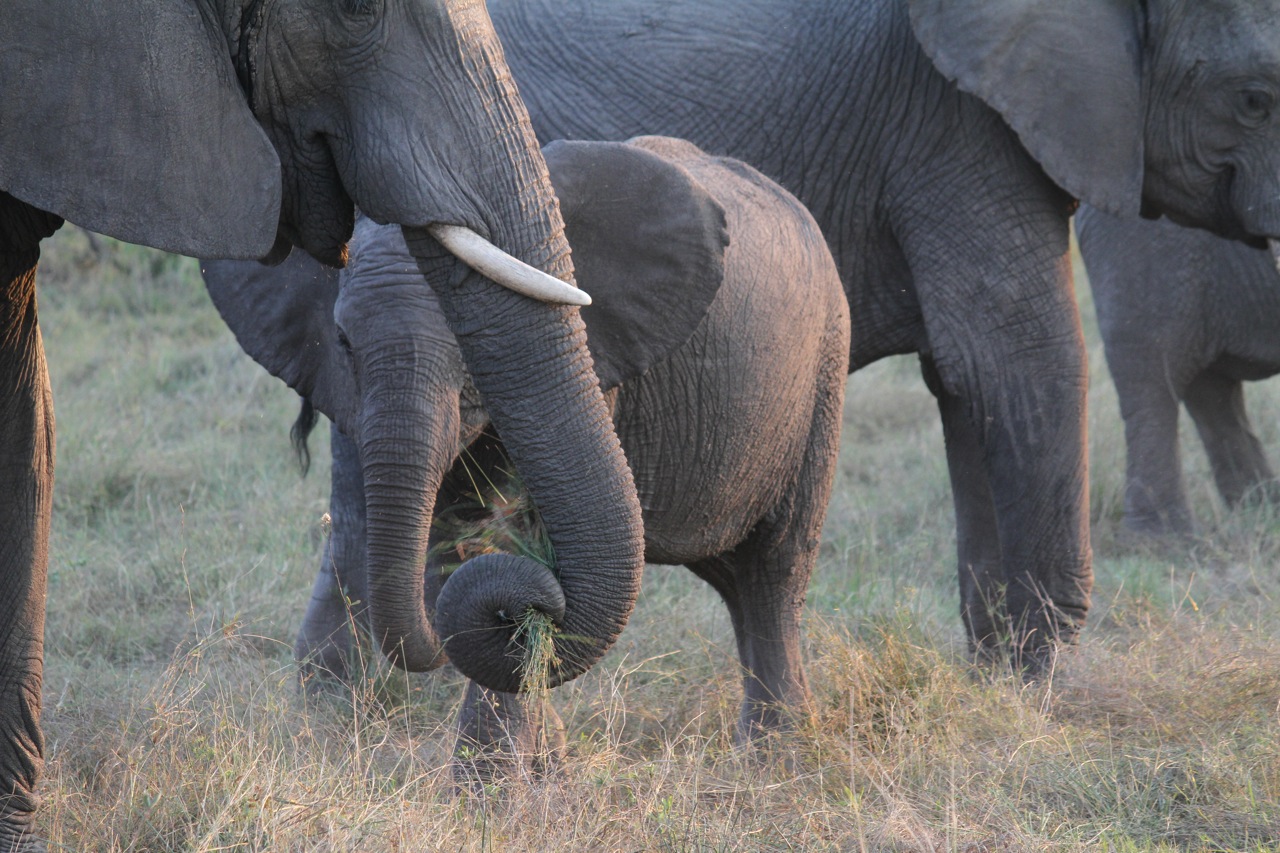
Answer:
x=1185 y=316
x=718 y=321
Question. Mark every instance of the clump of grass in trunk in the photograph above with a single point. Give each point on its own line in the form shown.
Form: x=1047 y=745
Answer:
x=499 y=517
x=536 y=633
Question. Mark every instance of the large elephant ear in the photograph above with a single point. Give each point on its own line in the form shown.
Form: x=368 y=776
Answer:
x=648 y=245
x=127 y=118
x=282 y=316
x=1065 y=75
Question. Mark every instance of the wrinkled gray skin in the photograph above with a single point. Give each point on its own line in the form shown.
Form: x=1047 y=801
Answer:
x=729 y=365
x=237 y=128
x=939 y=144
x=1186 y=317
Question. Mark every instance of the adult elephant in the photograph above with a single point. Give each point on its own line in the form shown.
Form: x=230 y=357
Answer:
x=941 y=145
x=1186 y=318
x=720 y=330
x=238 y=128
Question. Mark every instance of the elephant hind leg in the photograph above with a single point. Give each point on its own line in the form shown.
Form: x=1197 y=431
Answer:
x=27 y=444
x=1240 y=466
x=764 y=597
x=765 y=578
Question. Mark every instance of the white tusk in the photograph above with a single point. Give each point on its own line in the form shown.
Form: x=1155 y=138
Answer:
x=512 y=273
x=1274 y=246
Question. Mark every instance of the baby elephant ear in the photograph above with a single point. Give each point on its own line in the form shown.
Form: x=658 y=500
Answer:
x=1065 y=75
x=127 y=118
x=648 y=245
x=282 y=316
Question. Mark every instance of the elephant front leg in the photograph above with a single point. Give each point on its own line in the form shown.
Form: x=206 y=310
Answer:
x=329 y=642
x=980 y=566
x=504 y=735
x=1030 y=414
x=1240 y=466
x=1003 y=331
x=27 y=444
x=1155 y=495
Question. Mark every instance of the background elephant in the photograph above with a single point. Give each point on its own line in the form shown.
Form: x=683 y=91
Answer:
x=1185 y=317
x=718 y=319
x=233 y=128
x=939 y=144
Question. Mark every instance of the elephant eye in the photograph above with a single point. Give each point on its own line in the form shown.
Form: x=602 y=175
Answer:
x=1254 y=106
x=345 y=343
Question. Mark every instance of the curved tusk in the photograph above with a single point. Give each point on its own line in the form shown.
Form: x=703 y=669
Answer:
x=512 y=273
x=1274 y=246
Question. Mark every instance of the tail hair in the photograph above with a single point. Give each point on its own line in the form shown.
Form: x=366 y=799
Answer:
x=308 y=417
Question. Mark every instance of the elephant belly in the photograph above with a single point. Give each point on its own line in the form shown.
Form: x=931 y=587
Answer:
x=1247 y=369
x=699 y=499
x=716 y=434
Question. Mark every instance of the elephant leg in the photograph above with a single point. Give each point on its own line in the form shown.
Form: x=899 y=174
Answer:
x=764 y=591
x=335 y=622
x=27 y=439
x=1240 y=466
x=1155 y=496
x=502 y=735
x=765 y=578
x=980 y=569
x=1003 y=330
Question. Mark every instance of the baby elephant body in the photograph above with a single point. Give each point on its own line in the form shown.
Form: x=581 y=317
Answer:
x=1186 y=317
x=718 y=324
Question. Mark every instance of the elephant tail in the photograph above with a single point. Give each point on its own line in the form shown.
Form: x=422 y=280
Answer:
x=308 y=417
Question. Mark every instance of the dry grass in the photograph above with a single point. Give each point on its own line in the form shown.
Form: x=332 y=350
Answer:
x=185 y=541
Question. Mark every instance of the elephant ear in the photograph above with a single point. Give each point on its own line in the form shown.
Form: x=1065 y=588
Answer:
x=127 y=118
x=648 y=245
x=1065 y=75
x=282 y=316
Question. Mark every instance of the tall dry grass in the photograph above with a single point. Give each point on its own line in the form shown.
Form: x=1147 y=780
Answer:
x=185 y=541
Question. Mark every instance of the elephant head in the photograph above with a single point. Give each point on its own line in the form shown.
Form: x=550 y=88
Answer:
x=234 y=128
x=379 y=359
x=1165 y=107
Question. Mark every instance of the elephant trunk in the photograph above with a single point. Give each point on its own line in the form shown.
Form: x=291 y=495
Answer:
x=528 y=359
x=407 y=443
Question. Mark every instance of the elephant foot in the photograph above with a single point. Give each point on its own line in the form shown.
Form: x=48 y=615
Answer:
x=988 y=654
x=1264 y=492
x=20 y=840
x=1158 y=543
x=332 y=661
x=1036 y=663
x=1175 y=521
x=1031 y=661
x=504 y=736
x=1159 y=528
x=767 y=721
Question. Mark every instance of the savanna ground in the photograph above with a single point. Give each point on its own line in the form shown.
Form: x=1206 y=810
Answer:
x=185 y=542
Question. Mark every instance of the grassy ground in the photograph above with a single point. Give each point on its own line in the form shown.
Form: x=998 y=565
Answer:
x=185 y=541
